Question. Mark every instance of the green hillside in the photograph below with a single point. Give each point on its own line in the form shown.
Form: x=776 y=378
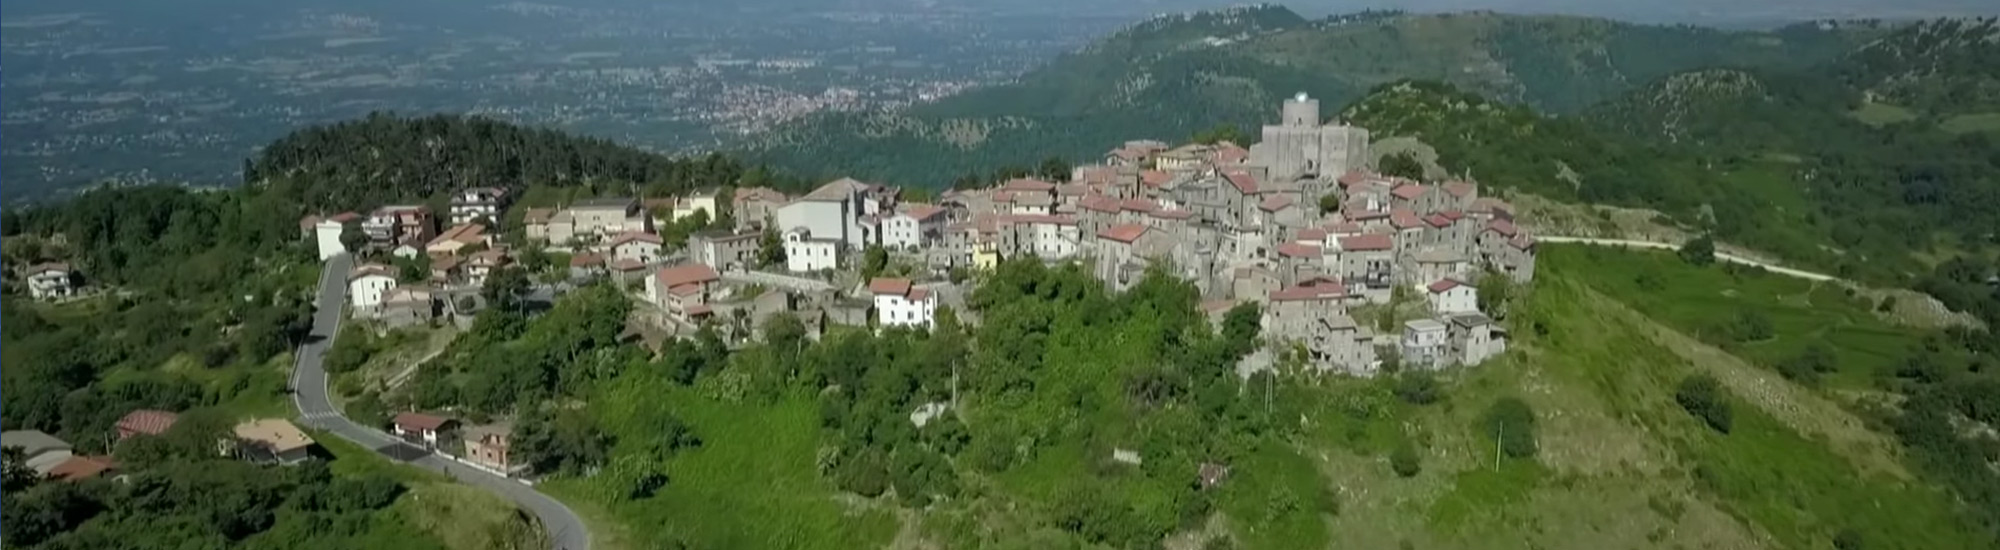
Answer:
x=1171 y=76
x=809 y=445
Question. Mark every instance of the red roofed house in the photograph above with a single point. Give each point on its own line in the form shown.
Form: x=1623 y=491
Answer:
x=1296 y=262
x=81 y=467
x=898 y=303
x=637 y=246
x=1313 y=313
x=1458 y=195
x=51 y=281
x=1119 y=250
x=1278 y=212
x=1450 y=297
x=1367 y=259
x=1508 y=249
x=146 y=421
x=917 y=225
x=421 y=429
x=684 y=291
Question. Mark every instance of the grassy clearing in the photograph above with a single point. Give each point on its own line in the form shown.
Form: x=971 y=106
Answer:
x=460 y=516
x=1980 y=122
x=1881 y=114
x=1700 y=301
x=752 y=484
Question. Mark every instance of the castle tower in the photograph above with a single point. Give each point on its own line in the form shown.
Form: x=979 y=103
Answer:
x=1300 y=112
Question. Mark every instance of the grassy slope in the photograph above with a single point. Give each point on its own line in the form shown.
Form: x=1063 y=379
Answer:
x=1621 y=466
x=460 y=516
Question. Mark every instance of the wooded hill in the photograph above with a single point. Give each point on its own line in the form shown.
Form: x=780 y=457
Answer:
x=1169 y=77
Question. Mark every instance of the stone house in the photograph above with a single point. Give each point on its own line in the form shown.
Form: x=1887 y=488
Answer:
x=1368 y=258
x=756 y=207
x=725 y=250
x=406 y=306
x=1508 y=250
x=1425 y=345
x=51 y=281
x=684 y=292
x=491 y=446
x=1474 y=339
x=590 y=221
x=635 y=246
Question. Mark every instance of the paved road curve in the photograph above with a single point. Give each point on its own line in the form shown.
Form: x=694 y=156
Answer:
x=309 y=383
x=1720 y=255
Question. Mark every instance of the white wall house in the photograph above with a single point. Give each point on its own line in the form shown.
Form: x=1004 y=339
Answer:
x=367 y=285
x=477 y=203
x=51 y=281
x=1450 y=297
x=326 y=234
x=831 y=212
x=804 y=252
x=1424 y=344
x=917 y=225
x=898 y=303
x=637 y=246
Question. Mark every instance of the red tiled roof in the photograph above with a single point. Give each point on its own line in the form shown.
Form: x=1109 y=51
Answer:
x=80 y=467
x=699 y=309
x=1243 y=181
x=1229 y=153
x=1155 y=178
x=1275 y=203
x=889 y=286
x=1127 y=233
x=1138 y=205
x=1409 y=191
x=1443 y=285
x=370 y=269
x=1522 y=242
x=1173 y=214
x=419 y=421
x=922 y=212
x=1100 y=203
x=1003 y=197
x=41 y=268
x=1403 y=218
x=1312 y=289
x=1503 y=227
x=1452 y=215
x=687 y=274
x=689 y=289
x=147 y=421
x=918 y=294
x=1353 y=177
x=345 y=217
x=538 y=215
x=1312 y=234
x=630 y=236
x=1367 y=242
x=1458 y=188
x=1438 y=221
x=624 y=265
x=1028 y=185
x=585 y=260
x=1296 y=250
x=1344 y=228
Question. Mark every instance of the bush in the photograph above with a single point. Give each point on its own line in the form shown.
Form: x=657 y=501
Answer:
x=1512 y=422
x=1808 y=365
x=1404 y=461
x=1702 y=396
x=1418 y=388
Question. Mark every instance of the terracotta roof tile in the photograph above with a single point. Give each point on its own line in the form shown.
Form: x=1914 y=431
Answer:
x=1028 y=185
x=1367 y=242
x=1504 y=228
x=1438 y=221
x=148 y=421
x=1459 y=188
x=1410 y=191
x=1443 y=285
x=1127 y=233
x=889 y=286
x=1155 y=178
x=687 y=274
x=1296 y=250
x=1173 y=214
x=1138 y=205
x=1275 y=203
x=1403 y=218
x=419 y=421
x=1242 y=181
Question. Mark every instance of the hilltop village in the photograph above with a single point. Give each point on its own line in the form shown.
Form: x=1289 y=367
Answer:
x=1297 y=223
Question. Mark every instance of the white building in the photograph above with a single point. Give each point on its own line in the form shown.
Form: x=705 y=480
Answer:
x=804 y=252
x=1423 y=344
x=51 y=281
x=478 y=203
x=367 y=285
x=916 y=225
x=326 y=234
x=700 y=201
x=1450 y=297
x=831 y=212
x=898 y=303
x=637 y=247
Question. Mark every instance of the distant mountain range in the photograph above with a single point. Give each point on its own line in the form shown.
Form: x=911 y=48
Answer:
x=1170 y=76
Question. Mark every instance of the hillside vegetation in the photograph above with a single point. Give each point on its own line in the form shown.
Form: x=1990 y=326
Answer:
x=1173 y=75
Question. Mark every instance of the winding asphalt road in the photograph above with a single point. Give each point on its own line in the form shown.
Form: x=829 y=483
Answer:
x=309 y=384
x=1719 y=255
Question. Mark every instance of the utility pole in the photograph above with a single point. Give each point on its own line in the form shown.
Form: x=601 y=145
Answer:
x=1496 y=446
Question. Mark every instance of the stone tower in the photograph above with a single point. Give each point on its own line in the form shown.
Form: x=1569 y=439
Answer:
x=1300 y=112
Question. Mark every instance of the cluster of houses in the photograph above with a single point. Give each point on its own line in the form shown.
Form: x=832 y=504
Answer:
x=485 y=445
x=260 y=441
x=1297 y=223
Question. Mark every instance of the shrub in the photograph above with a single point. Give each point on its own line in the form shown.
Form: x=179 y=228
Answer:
x=1702 y=396
x=1418 y=388
x=1404 y=461
x=1512 y=422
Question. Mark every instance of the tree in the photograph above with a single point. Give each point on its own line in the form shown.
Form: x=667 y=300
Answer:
x=1219 y=134
x=1495 y=290
x=1054 y=169
x=770 y=248
x=1404 y=460
x=504 y=288
x=1699 y=251
x=874 y=261
x=1808 y=365
x=1240 y=328
x=1702 y=396
x=1329 y=203
x=1418 y=388
x=1402 y=165
x=1512 y=423
x=353 y=239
